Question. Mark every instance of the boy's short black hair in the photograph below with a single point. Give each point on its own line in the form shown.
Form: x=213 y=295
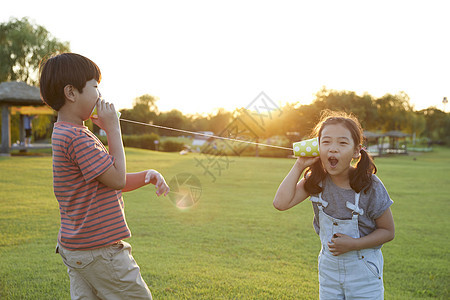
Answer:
x=60 y=70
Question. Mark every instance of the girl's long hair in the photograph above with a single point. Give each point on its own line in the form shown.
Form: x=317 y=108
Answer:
x=361 y=176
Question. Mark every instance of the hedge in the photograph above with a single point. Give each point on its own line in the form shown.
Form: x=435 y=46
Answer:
x=144 y=141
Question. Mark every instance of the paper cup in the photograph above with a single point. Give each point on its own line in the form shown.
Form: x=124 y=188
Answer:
x=95 y=116
x=306 y=148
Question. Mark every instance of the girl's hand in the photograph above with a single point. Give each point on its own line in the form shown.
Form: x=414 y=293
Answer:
x=157 y=179
x=304 y=162
x=340 y=244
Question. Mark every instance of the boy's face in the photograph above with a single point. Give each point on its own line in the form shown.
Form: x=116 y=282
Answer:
x=88 y=98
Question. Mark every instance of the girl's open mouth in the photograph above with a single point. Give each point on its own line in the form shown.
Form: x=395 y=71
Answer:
x=333 y=161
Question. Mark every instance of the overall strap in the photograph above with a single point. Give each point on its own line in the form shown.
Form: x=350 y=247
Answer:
x=355 y=207
x=320 y=202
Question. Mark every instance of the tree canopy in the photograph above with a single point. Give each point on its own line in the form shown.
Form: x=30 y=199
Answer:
x=23 y=44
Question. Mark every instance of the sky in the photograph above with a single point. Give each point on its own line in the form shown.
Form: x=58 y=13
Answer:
x=198 y=56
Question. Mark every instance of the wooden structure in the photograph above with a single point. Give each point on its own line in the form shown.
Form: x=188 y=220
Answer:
x=16 y=94
x=393 y=146
x=378 y=139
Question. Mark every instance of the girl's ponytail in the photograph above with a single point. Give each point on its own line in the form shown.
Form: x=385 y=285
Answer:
x=361 y=177
x=313 y=177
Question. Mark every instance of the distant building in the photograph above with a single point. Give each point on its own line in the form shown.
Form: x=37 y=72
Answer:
x=200 y=140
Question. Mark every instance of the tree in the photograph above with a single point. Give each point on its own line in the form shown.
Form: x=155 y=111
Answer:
x=199 y=122
x=148 y=104
x=172 y=119
x=363 y=107
x=437 y=124
x=394 y=112
x=23 y=45
x=219 y=121
x=144 y=110
x=416 y=123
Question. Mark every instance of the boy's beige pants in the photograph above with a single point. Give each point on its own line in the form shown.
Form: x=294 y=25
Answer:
x=105 y=273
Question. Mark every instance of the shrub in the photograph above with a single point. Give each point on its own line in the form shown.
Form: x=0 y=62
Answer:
x=143 y=141
x=171 y=146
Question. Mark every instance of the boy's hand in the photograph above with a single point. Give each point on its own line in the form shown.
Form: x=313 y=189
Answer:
x=154 y=177
x=107 y=116
x=340 y=244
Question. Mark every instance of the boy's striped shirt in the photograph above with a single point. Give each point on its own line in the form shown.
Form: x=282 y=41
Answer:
x=92 y=214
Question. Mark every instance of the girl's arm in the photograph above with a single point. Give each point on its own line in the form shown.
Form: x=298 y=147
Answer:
x=291 y=192
x=384 y=233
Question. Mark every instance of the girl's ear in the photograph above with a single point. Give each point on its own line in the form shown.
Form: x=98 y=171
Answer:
x=357 y=153
x=69 y=93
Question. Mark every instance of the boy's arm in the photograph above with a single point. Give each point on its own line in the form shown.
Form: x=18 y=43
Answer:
x=115 y=176
x=291 y=192
x=137 y=180
x=384 y=233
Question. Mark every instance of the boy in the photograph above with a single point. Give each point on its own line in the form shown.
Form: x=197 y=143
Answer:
x=88 y=184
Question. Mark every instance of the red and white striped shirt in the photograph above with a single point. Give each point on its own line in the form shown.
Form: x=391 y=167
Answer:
x=92 y=214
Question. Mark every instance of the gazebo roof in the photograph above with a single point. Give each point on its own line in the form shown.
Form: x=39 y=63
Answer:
x=19 y=93
x=371 y=135
x=397 y=134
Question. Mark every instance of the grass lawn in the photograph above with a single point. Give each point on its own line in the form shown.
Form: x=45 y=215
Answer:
x=233 y=244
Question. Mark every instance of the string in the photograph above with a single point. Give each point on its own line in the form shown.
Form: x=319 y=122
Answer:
x=206 y=135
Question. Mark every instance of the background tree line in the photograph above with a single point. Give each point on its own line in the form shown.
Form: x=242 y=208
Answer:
x=387 y=113
x=24 y=44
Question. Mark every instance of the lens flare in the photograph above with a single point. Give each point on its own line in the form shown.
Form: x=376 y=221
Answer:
x=185 y=190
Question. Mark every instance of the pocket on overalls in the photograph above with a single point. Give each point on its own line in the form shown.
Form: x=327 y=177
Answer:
x=372 y=264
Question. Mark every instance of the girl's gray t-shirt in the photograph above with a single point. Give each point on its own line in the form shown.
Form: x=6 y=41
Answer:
x=374 y=203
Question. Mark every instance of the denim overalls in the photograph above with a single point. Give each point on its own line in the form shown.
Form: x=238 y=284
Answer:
x=353 y=275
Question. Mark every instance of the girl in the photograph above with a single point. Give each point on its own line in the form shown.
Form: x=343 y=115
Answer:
x=351 y=209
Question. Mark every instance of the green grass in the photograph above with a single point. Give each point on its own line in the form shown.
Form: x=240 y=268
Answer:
x=233 y=244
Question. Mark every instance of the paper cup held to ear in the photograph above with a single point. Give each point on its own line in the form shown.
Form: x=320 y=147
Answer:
x=306 y=148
